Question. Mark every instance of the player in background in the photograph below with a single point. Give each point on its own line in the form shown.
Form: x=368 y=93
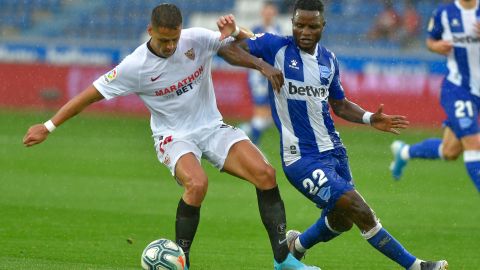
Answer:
x=314 y=158
x=454 y=31
x=171 y=73
x=258 y=84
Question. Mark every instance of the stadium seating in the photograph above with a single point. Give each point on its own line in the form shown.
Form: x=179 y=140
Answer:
x=125 y=21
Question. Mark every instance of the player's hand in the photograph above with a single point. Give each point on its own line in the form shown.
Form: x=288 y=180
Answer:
x=443 y=47
x=388 y=123
x=274 y=75
x=477 y=28
x=35 y=135
x=226 y=25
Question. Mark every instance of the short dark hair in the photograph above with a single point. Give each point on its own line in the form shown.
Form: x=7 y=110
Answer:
x=166 y=15
x=308 y=5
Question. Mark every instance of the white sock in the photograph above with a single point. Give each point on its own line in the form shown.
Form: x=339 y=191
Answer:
x=298 y=245
x=404 y=152
x=261 y=123
x=415 y=265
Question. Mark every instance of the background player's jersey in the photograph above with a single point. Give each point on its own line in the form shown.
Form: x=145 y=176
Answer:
x=177 y=90
x=452 y=22
x=301 y=111
x=256 y=81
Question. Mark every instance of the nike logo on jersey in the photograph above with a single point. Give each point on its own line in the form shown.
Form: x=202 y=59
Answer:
x=155 y=78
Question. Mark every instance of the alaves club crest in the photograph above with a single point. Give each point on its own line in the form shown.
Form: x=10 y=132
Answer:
x=190 y=54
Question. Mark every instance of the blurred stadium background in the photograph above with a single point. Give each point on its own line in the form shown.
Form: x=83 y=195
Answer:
x=74 y=200
x=79 y=40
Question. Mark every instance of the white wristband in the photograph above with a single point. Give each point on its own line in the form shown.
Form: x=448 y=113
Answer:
x=236 y=32
x=50 y=126
x=366 y=118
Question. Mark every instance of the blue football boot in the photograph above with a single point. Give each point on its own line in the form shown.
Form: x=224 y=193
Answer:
x=398 y=164
x=290 y=263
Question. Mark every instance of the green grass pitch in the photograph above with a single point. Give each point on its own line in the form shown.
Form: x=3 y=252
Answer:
x=73 y=201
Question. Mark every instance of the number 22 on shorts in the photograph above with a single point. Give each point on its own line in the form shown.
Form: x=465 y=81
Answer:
x=309 y=184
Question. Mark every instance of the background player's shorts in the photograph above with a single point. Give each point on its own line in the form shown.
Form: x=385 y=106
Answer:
x=258 y=85
x=461 y=108
x=323 y=179
x=213 y=144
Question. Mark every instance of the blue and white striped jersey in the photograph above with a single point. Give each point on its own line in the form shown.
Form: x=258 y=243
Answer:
x=454 y=23
x=301 y=111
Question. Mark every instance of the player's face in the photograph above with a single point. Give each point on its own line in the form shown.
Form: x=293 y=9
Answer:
x=164 y=40
x=307 y=27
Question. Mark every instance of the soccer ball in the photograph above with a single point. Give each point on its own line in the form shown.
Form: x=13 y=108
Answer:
x=163 y=254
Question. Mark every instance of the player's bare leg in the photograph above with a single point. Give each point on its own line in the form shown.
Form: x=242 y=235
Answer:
x=191 y=175
x=447 y=148
x=245 y=161
x=451 y=147
x=354 y=207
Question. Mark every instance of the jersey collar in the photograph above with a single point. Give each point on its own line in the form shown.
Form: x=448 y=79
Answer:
x=152 y=51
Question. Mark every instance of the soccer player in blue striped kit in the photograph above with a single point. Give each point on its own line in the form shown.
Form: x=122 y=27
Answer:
x=313 y=156
x=454 y=31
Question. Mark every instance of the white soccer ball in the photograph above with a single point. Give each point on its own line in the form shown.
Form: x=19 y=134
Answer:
x=163 y=254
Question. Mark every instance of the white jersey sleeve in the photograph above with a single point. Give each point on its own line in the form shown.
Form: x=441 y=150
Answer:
x=120 y=81
x=210 y=38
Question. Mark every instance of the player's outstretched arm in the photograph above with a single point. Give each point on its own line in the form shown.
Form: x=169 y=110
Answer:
x=351 y=112
x=39 y=132
x=388 y=123
x=237 y=54
x=443 y=47
x=227 y=27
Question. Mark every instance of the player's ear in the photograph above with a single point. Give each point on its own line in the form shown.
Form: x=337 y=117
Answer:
x=149 y=29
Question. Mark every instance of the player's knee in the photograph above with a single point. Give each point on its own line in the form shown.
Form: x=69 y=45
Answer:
x=357 y=210
x=196 y=188
x=451 y=154
x=265 y=177
x=338 y=222
x=343 y=226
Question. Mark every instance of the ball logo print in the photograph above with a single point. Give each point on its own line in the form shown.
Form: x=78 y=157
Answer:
x=163 y=254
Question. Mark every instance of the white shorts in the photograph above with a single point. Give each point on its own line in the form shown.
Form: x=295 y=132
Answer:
x=212 y=144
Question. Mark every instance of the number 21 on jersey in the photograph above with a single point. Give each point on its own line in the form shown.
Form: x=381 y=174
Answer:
x=463 y=108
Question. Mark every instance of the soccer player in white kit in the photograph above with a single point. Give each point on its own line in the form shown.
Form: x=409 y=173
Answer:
x=171 y=73
x=454 y=31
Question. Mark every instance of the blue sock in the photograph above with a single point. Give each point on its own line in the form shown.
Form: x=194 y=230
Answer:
x=389 y=246
x=472 y=162
x=255 y=135
x=428 y=149
x=318 y=232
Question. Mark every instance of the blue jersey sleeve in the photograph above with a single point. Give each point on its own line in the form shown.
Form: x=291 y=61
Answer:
x=336 y=89
x=265 y=46
x=435 y=27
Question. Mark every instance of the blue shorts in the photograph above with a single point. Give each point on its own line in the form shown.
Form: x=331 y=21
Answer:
x=323 y=179
x=461 y=108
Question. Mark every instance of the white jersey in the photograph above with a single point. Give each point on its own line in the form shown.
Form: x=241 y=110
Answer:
x=453 y=22
x=177 y=90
